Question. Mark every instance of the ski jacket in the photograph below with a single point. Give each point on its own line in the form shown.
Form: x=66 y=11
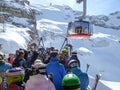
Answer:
x=39 y=82
x=19 y=63
x=84 y=80
x=28 y=62
x=5 y=66
x=10 y=59
x=58 y=71
x=34 y=56
x=66 y=59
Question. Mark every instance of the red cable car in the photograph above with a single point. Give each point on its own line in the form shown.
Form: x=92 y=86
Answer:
x=80 y=28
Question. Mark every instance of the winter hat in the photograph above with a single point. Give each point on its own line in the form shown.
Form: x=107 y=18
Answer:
x=38 y=64
x=74 y=52
x=38 y=67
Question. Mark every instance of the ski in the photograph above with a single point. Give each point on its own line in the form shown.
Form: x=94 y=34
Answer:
x=97 y=78
x=88 y=65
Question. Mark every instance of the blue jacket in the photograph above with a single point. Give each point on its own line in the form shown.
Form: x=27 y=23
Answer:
x=84 y=80
x=58 y=71
x=5 y=66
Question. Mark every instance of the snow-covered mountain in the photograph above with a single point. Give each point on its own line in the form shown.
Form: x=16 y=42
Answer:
x=16 y=17
x=101 y=51
x=107 y=21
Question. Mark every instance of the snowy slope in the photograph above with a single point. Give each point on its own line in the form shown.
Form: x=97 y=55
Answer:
x=14 y=38
x=96 y=51
x=101 y=51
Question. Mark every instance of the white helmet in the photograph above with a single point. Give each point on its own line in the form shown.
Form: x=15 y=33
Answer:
x=39 y=67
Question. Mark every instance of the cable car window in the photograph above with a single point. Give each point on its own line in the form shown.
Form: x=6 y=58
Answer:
x=79 y=28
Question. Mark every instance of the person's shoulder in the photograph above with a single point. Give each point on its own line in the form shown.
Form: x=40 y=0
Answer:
x=49 y=65
x=23 y=59
x=84 y=74
x=8 y=64
x=61 y=64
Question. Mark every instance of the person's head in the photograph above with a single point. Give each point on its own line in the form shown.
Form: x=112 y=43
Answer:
x=53 y=53
x=64 y=51
x=2 y=57
x=38 y=67
x=70 y=82
x=17 y=52
x=73 y=63
x=11 y=55
x=21 y=52
x=74 y=53
x=52 y=48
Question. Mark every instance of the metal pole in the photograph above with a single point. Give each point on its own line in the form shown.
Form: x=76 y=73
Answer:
x=66 y=40
x=84 y=9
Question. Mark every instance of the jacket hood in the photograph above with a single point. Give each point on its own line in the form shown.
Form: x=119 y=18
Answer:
x=54 y=60
x=76 y=70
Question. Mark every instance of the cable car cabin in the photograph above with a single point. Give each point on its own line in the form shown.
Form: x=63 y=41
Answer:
x=81 y=29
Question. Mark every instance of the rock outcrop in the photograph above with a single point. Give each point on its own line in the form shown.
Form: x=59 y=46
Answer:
x=105 y=21
x=18 y=9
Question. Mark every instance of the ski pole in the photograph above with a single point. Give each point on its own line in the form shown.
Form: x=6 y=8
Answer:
x=88 y=65
x=98 y=76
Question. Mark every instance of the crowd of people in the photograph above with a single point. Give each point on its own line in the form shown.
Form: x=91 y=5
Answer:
x=44 y=69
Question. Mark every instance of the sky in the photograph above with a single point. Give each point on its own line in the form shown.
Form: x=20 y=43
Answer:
x=94 y=7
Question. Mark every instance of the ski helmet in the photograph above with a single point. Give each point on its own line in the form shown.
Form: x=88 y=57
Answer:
x=70 y=82
x=53 y=53
x=39 y=67
x=64 y=51
x=73 y=63
x=74 y=52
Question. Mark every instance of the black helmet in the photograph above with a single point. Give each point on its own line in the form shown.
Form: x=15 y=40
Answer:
x=73 y=63
x=53 y=53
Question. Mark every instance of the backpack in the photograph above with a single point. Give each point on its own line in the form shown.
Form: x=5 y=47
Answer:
x=15 y=75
